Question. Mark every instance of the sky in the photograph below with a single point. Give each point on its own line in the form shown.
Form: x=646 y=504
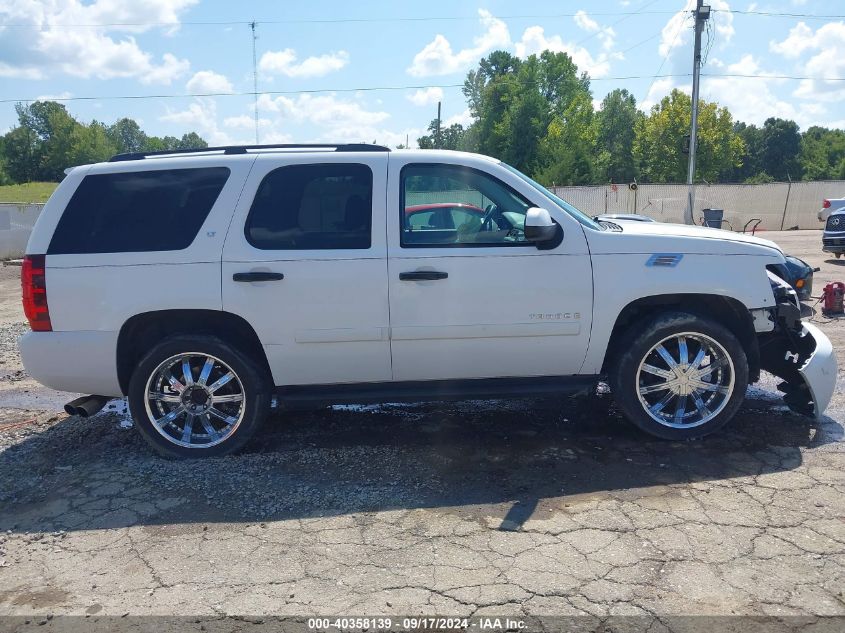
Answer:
x=374 y=70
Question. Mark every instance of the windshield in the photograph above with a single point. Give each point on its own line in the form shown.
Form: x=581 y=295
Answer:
x=575 y=213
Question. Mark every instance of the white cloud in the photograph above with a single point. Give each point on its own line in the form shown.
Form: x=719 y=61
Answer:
x=61 y=95
x=243 y=121
x=534 y=41
x=207 y=81
x=826 y=58
x=438 y=58
x=800 y=39
x=463 y=118
x=201 y=117
x=323 y=110
x=678 y=32
x=332 y=120
x=754 y=100
x=585 y=22
x=48 y=49
x=606 y=35
x=425 y=96
x=659 y=89
x=284 y=62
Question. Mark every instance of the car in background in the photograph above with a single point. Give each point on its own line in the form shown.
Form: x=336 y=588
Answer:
x=441 y=215
x=829 y=206
x=833 y=238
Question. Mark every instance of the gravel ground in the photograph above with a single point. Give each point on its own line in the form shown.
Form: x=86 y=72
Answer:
x=520 y=508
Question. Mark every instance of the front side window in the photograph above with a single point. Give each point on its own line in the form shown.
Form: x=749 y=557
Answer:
x=313 y=207
x=131 y=212
x=450 y=205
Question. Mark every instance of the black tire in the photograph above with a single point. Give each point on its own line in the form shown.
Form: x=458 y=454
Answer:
x=641 y=340
x=838 y=255
x=256 y=388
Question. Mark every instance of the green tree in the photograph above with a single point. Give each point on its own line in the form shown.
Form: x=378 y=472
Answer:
x=91 y=144
x=450 y=137
x=616 y=123
x=752 y=165
x=568 y=148
x=127 y=136
x=191 y=140
x=823 y=154
x=526 y=113
x=659 y=141
x=781 y=149
x=21 y=154
x=48 y=140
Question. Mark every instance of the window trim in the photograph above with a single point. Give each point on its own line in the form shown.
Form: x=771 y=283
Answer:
x=249 y=214
x=473 y=245
x=93 y=175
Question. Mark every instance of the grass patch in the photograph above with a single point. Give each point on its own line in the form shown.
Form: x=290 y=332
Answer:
x=27 y=192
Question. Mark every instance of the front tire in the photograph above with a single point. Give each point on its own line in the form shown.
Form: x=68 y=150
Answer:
x=198 y=396
x=681 y=377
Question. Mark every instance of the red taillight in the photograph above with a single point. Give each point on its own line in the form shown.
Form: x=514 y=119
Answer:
x=34 y=287
x=826 y=204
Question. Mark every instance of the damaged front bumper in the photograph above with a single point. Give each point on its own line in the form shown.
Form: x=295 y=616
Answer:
x=801 y=355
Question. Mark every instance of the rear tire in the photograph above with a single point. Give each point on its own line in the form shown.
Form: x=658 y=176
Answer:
x=681 y=377
x=198 y=396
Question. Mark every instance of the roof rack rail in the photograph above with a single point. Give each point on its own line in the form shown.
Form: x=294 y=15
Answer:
x=243 y=149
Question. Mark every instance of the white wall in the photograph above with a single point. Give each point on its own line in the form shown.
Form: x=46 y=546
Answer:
x=16 y=222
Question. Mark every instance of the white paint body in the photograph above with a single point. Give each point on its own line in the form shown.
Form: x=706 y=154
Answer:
x=344 y=316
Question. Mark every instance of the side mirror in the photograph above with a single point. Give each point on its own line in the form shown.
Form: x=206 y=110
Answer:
x=539 y=226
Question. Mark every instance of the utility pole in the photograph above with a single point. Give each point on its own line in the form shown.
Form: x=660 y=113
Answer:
x=254 y=79
x=437 y=131
x=702 y=14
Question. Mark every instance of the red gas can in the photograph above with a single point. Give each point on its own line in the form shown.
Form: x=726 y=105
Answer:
x=833 y=298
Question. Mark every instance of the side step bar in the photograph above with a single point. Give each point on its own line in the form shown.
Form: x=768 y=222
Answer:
x=434 y=390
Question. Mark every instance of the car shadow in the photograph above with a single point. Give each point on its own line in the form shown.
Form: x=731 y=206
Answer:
x=499 y=459
x=835 y=262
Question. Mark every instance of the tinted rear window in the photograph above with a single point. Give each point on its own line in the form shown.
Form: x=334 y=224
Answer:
x=138 y=211
x=308 y=207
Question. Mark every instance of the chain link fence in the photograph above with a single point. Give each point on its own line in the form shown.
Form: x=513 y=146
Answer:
x=778 y=205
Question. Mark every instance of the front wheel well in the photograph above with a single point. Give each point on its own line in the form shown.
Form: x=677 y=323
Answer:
x=143 y=331
x=727 y=311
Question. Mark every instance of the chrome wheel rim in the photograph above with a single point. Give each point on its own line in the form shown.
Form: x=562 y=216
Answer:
x=685 y=380
x=194 y=400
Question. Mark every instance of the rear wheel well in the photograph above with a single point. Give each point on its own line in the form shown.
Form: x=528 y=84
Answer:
x=727 y=311
x=143 y=331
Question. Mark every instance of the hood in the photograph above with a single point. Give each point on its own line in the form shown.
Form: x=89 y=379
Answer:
x=681 y=238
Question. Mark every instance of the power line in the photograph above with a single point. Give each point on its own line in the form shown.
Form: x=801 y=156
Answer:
x=776 y=14
x=625 y=14
x=330 y=20
x=393 y=88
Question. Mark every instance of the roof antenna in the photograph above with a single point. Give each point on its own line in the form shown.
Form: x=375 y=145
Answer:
x=254 y=79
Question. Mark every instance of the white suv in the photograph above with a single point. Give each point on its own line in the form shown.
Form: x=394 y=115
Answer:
x=203 y=284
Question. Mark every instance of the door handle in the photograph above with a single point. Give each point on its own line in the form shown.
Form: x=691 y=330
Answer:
x=423 y=275
x=258 y=276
